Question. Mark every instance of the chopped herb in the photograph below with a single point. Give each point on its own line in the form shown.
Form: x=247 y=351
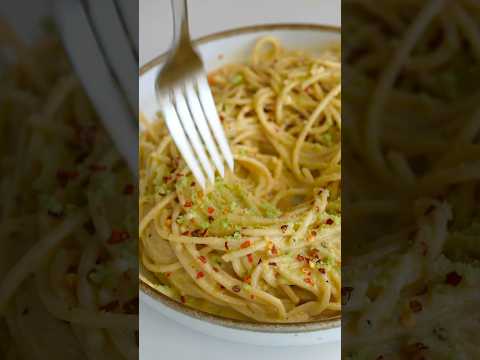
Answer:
x=224 y=224
x=180 y=220
x=237 y=79
x=270 y=210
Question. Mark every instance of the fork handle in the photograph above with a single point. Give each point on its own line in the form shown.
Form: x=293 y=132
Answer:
x=180 y=21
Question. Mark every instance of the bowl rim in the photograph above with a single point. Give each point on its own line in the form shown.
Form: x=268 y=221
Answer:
x=150 y=291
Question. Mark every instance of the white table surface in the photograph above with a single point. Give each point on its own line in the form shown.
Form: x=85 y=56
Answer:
x=160 y=338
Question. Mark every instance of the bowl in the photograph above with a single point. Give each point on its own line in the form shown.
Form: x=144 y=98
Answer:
x=217 y=50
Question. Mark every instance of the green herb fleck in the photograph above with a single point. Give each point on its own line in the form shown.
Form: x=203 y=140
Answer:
x=237 y=79
x=270 y=210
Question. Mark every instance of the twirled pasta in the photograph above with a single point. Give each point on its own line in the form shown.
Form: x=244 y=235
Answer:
x=264 y=242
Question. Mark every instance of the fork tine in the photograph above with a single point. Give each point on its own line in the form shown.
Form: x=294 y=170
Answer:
x=203 y=129
x=191 y=131
x=175 y=127
x=208 y=105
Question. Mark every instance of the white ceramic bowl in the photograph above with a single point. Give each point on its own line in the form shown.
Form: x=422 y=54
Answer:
x=217 y=50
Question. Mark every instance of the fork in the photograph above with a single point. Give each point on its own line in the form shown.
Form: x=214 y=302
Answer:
x=187 y=104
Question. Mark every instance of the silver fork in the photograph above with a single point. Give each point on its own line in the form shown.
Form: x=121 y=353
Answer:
x=187 y=104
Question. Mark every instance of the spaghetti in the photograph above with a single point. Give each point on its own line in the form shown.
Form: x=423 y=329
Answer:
x=264 y=242
x=68 y=221
x=411 y=152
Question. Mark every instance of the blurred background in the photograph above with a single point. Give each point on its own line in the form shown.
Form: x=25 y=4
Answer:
x=210 y=16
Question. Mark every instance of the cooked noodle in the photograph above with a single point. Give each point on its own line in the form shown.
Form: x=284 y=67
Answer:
x=264 y=242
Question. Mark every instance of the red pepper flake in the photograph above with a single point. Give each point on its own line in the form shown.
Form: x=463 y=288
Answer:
x=236 y=288
x=89 y=227
x=186 y=233
x=188 y=204
x=274 y=250
x=247 y=279
x=313 y=253
x=308 y=281
x=346 y=294
x=300 y=258
x=412 y=234
x=245 y=244
x=97 y=167
x=416 y=306
x=126 y=276
x=322 y=270
x=182 y=299
x=203 y=259
x=210 y=210
x=110 y=306
x=118 y=236
x=57 y=214
x=128 y=189
x=211 y=79
x=131 y=306
x=284 y=228
x=226 y=245
x=64 y=176
x=250 y=258
x=200 y=274
x=329 y=222
x=416 y=348
x=424 y=248
x=168 y=274
x=197 y=233
x=179 y=175
x=453 y=278
x=429 y=210
x=167 y=179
